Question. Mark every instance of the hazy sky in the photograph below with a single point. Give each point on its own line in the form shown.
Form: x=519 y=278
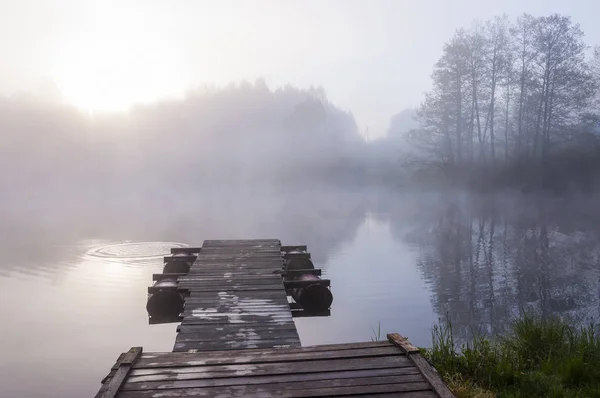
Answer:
x=372 y=57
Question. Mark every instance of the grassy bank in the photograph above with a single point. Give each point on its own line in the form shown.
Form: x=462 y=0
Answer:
x=537 y=358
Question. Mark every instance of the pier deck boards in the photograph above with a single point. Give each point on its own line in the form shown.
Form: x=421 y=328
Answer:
x=236 y=299
x=237 y=339
x=360 y=369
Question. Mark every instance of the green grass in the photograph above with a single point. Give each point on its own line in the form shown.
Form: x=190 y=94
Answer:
x=536 y=358
x=376 y=336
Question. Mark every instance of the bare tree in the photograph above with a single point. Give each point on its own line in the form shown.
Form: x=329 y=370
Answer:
x=535 y=68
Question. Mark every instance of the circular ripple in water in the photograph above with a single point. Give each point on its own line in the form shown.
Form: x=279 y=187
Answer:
x=134 y=250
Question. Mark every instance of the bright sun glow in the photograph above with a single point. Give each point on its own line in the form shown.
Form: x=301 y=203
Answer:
x=112 y=68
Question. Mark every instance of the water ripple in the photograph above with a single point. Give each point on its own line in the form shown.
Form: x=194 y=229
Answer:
x=133 y=251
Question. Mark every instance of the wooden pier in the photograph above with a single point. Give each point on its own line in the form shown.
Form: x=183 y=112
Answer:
x=237 y=336
x=237 y=299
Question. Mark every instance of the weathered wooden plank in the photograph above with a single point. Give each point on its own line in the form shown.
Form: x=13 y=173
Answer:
x=182 y=357
x=237 y=317
x=125 y=365
x=289 y=382
x=410 y=394
x=280 y=391
x=233 y=272
x=257 y=380
x=288 y=248
x=402 y=343
x=232 y=288
x=431 y=376
x=225 y=283
x=248 y=295
x=226 y=279
x=263 y=252
x=230 y=312
x=280 y=356
x=241 y=261
x=264 y=335
x=270 y=250
x=241 y=242
x=230 y=328
x=228 y=276
x=236 y=312
x=278 y=299
x=240 y=318
x=272 y=368
x=231 y=298
x=233 y=269
x=239 y=265
x=228 y=306
x=239 y=344
x=247 y=322
x=221 y=257
x=235 y=305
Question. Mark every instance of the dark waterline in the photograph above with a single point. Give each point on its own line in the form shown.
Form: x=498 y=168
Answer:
x=73 y=284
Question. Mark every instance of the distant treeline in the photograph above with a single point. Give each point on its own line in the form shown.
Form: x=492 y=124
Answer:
x=237 y=134
x=513 y=103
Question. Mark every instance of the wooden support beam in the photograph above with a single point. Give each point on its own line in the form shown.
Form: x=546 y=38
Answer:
x=306 y=314
x=295 y=272
x=160 y=277
x=157 y=321
x=295 y=284
x=120 y=375
x=185 y=250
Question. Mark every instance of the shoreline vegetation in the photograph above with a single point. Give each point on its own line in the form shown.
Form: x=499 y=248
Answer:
x=537 y=357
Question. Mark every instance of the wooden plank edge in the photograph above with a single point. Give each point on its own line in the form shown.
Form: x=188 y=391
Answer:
x=158 y=321
x=402 y=343
x=288 y=248
x=308 y=314
x=432 y=376
x=192 y=250
x=111 y=387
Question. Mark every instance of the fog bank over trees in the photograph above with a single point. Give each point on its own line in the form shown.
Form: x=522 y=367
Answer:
x=514 y=103
x=221 y=136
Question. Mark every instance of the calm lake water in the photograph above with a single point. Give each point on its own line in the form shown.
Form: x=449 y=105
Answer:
x=73 y=278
